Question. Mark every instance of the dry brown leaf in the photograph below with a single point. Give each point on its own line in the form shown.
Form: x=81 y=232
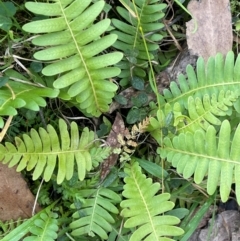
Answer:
x=16 y=200
x=214 y=28
x=118 y=128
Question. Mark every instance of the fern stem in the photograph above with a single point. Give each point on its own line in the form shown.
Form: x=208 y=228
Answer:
x=153 y=79
x=36 y=198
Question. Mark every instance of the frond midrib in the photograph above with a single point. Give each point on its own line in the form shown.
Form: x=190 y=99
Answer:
x=146 y=205
x=93 y=211
x=198 y=89
x=44 y=153
x=201 y=156
x=81 y=56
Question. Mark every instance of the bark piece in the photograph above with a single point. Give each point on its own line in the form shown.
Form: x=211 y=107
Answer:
x=224 y=227
x=214 y=28
x=16 y=200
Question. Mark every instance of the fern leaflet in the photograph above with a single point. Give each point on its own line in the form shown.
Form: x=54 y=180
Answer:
x=18 y=95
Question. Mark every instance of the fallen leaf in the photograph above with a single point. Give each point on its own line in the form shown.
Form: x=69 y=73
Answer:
x=16 y=200
x=118 y=127
x=214 y=28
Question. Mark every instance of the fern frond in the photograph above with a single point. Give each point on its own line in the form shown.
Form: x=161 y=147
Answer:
x=148 y=15
x=143 y=207
x=218 y=78
x=41 y=151
x=43 y=225
x=99 y=154
x=73 y=43
x=94 y=216
x=206 y=153
x=18 y=95
x=201 y=100
x=44 y=228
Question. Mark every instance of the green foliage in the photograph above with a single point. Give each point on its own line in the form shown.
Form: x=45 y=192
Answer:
x=7 y=11
x=142 y=14
x=18 y=95
x=143 y=207
x=94 y=216
x=196 y=124
x=41 y=152
x=204 y=143
x=73 y=42
x=202 y=99
x=206 y=153
x=43 y=226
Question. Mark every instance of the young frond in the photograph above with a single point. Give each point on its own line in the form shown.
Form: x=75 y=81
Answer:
x=94 y=218
x=98 y=154
x=143 y=207
x=202 y=154
x=45 y=150
x=73 y=42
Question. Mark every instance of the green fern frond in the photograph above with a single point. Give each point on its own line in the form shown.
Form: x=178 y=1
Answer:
x=72 y=41
x=43 y=225
x=42 y=150
x=143 y=207
x=19 y=95
x=44 y=228
x=218 y=77
x=99 y=154
x=94 y=216
x=200 y=100
x=207 y=154
x=148 y=15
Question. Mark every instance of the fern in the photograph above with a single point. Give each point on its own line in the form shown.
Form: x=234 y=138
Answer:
x=206 y=153
x=203 y=144
x=143 y=207
x=74 y=45
x=94 y=215
x=98 y=154
x=202 y=99
x=212 y=91
x=140 y=14
x=40 y=151
x=43 y=226
x=17 y=95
